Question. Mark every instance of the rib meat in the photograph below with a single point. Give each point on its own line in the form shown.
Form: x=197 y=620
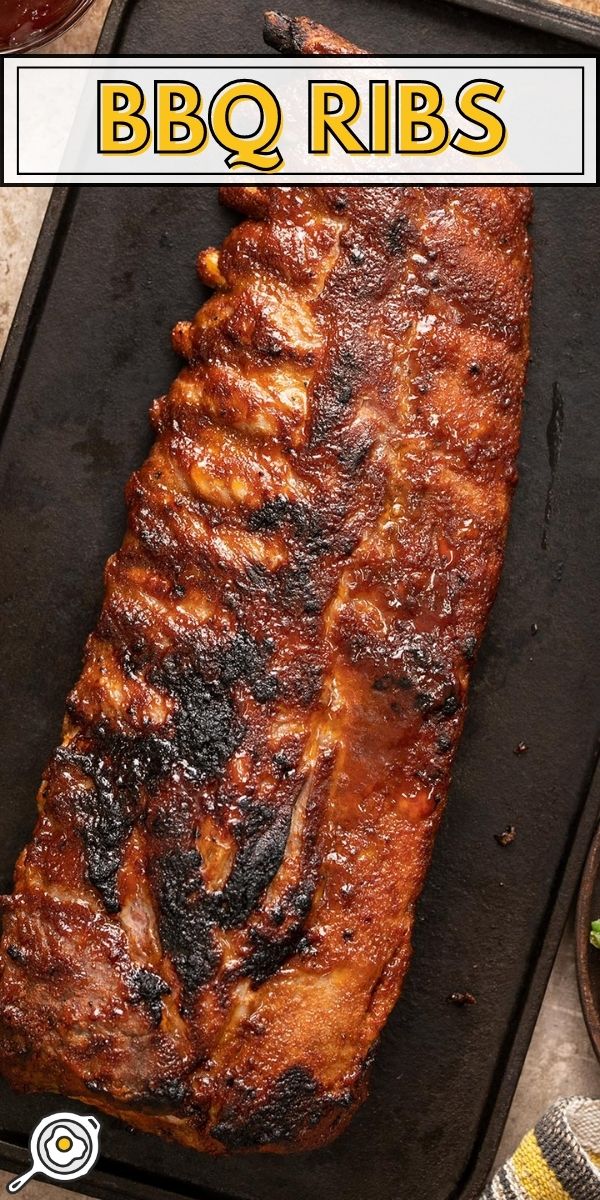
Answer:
x=213 y=919
x=303 y=36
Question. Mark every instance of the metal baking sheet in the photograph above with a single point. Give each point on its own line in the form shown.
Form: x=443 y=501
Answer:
x=114 y=269
x=566 y=19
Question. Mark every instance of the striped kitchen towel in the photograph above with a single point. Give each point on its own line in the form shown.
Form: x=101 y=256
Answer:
x=558 y=1160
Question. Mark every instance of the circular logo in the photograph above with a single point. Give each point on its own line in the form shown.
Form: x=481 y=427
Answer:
x=62 y=1146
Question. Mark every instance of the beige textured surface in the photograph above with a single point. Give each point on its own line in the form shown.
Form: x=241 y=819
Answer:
x=82 y=38
x=21 y=214
x=560 y=1059
x=22 y=208
x=39 y=1191
x=590 y=6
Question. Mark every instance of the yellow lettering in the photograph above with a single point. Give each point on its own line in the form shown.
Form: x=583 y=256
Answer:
x=380 y=117
x=421 y=127
x=179 y=128
x=493 y=135
x=327 y=122
x=121 y=127
x=255 y=150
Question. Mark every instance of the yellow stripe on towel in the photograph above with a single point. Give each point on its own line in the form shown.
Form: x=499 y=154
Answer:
x=534 y=1174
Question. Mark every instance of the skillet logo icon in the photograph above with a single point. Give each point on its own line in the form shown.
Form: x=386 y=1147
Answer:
x=63 y=1146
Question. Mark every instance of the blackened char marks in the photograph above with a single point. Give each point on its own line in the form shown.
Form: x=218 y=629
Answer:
x=334 y=391
x=256 y=864
x=313 y=528
x=186 y=917
x=271 y=948
x=148 y=988
x=245 y=659
x=316 y=541
x=169 y=1091
x=162 y=1095
x=280 y=933
x=207 y=728
x=296 y=1102
x=204 y=733
x=305 y=679
x=269 y=953
x=189 y=914
x=271 y=515
x=105 y=821
x=116 y=766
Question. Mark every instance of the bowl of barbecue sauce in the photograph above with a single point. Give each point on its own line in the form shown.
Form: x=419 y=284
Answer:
x=25 y=24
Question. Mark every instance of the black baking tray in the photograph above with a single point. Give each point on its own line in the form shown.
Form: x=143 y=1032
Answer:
x=113 y=270
x=527 y=27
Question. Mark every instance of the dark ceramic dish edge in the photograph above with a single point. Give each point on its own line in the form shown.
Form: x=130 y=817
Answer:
x=588 y=909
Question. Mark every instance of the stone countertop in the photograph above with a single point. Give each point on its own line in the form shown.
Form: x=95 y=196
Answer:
x=560 y=1061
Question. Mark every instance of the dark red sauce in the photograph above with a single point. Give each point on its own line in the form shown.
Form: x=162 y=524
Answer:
x=29 y=22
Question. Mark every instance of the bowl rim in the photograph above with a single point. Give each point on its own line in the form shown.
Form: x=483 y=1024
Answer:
x=43 y=36
x=588 y=994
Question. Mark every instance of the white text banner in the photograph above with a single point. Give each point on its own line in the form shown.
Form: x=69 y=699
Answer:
x=90 y=120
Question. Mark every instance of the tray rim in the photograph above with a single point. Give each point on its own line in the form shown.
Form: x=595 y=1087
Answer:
x=554 y=17
x=109 y=1181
